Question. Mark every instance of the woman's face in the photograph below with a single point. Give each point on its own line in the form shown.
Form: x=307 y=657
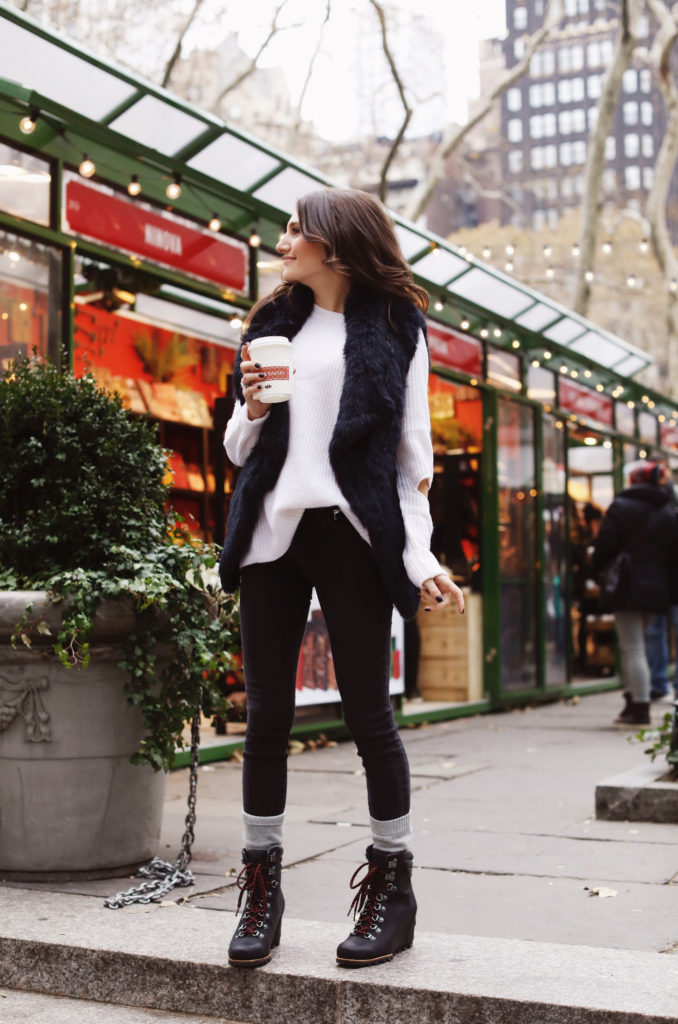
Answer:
x=303 y=261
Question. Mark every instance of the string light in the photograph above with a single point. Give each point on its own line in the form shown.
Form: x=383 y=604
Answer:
x=173 y=190
x=563 y=369
x=87 y=168
x=661 y=417
x=674 y=285
x=439 y=305
x=134 y=188
x=465 y=325
x=631 y=281
x=497 y=332
x=215 y=223
x=547 y=355
x=631 y=404
x=236 y=322
x=587 y=373
x=28 y=123
x=644 y=246
x=574 y=373
x=589 y=275
x=515 y=343
x=487 y=252
x=509 y=267
x=535 y=363
x=600 y=387
x=550 y=271
x=484 y=332
x=510 y=249
x=575 y=250
x=255 y=238
x=607 y=247
x=547 y=250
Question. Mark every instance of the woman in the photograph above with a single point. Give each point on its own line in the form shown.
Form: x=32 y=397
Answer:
x=332 y=495
x=640 y=526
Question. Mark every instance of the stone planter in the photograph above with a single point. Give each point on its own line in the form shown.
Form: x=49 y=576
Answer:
x=71 y=804
x=646 y=793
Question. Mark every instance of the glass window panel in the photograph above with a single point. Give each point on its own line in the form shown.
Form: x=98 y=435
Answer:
x=192 y=321
x=284 y=190
x=233 y=161
x=541 y=385
x=439 y=266
x=517 y=545
x=625 y=419
x=49 y=69
x=631 y=365
x=564 y=331
x=555 y=542
x=648 y=427
x=269 y=270
x=503 y=369
x=538 y=317
x=594 y=346
x=410 y=242
x=158 y=125
x=30 y=299
x=24 y=185
x=491 y=293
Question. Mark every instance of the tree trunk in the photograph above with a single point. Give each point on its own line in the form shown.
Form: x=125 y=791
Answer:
x=169 y=67
x=595 y=159
x=453 y=136
x=657 y=200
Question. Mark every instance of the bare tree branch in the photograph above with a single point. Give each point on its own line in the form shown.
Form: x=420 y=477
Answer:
x=252 y=66
x=393 y=148
x=454 y=135
x=595 y=157
x=660 y=57
x=309 y=73
x=169 y=67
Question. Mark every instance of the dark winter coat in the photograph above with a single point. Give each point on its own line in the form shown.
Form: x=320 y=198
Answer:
x=642 y=522
x=378 y=352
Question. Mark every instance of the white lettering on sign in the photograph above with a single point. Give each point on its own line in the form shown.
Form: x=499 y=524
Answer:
x=162 y=239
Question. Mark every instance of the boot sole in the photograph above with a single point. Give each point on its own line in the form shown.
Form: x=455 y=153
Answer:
x=386 y=958
x=250 y=963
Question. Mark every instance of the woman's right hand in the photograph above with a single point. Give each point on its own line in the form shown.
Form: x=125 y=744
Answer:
x=253 y=383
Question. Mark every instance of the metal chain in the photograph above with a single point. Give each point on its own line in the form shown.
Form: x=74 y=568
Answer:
x=165 y=876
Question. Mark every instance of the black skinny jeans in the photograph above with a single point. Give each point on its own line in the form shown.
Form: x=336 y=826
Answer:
x=326 y=553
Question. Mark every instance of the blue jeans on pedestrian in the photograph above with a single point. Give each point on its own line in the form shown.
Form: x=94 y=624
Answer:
x=657 y=651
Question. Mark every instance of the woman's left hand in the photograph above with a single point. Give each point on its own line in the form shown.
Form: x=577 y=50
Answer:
x=439 y=591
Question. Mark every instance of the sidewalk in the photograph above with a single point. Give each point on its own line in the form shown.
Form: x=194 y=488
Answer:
x=507 y=852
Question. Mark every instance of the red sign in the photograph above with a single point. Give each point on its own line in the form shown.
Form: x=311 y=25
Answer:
x=455 y=350
x=134 y=229
x=585 y=402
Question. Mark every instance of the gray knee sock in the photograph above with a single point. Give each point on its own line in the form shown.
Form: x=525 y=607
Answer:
x=262 y=832
x=391 y=836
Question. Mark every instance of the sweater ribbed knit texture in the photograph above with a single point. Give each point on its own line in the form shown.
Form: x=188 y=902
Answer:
x=307 y=479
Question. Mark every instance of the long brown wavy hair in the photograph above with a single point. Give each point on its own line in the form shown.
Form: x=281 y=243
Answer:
x=359 y=241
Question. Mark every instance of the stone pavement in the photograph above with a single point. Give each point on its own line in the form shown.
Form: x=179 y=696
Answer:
x=510 y=931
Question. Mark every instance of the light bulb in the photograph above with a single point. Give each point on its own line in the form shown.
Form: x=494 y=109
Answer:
x=134 y=188
x=28 y=122
x=439 y=306
x=465 y=324
x=87 y=168
x=173 y=190
x=255 y=239
x=215 y=223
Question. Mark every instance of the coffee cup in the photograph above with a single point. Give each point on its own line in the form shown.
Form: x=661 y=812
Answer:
x=274 y=355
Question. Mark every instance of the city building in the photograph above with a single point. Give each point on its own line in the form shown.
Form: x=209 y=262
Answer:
x=547 y=115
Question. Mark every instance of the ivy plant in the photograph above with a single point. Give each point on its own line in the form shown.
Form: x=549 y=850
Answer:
x=84 y=516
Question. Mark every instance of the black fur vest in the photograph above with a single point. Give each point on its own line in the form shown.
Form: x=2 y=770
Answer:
x=378 y=352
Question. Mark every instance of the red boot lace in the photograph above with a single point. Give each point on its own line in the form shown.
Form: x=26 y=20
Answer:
x=367 y=900
x=251 y=880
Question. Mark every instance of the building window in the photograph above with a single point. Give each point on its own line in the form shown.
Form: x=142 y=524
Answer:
x=514 y=99
x=593 y=58
x=515 y=130
x=519 y=49
x=578 y=89
x=594 y=85
x=550 y=156
x=593 y=118
x=565 y=59
x=566 y=189
x=565 y=122
x=565 y=90
x=647 y=145
x=577 y=58
x=536 y=126
x=26 y=180
x=538 y=219
x=579 y=152
x=31 y=275
x=536 y=95
x=646 y=112
x=610 y=147
x=549 y=123
x=630 y=80
x=631 y=145
x=606 y=51
x=520 y=18
x=515 y=161
x=579 y=120
x=537 y=158
x=566 y=154
x=609 y=181
x=632 y=178
x=648 y=177
x=645 y=80
x=630 y=112
x=549 y=94
x=643 y=26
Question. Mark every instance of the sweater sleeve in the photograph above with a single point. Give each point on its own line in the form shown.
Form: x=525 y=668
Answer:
x=242 y=434
x=414 y=464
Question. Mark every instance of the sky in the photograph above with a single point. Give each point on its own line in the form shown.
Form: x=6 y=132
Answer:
x=331 y=103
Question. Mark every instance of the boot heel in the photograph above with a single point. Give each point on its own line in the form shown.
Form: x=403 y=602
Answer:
x=276 y=937
x=410 y=936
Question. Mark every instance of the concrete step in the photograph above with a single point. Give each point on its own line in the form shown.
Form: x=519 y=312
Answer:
x=35 y=1008
x=173 y=958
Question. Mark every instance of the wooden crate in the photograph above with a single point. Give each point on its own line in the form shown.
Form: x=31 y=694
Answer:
x=451 y=652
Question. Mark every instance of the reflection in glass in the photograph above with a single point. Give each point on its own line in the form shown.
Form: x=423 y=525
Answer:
x=30 y=298
x=517 y=545
x=555 y=535
x=503 y=369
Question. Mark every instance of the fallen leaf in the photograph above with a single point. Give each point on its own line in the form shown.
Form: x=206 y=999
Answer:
x=601 y=891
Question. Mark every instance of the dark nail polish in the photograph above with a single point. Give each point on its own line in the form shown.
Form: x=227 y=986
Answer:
x=258 y=387
x=257 y=366
x=439 y=599
x=463 y=610
x=262 y=375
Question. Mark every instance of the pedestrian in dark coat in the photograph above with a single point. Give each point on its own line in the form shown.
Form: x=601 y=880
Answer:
x=640 y=523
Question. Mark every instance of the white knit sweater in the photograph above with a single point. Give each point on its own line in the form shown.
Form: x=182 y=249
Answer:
x=307 y=479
